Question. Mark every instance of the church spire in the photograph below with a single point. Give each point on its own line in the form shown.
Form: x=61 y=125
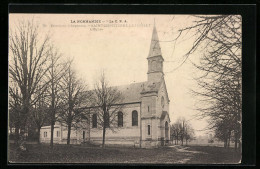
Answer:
x=155 y=59
x=155 y=49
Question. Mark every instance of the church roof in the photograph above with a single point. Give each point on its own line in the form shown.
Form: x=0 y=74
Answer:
x=164 y=113
x=155 y=49
x=132 y=92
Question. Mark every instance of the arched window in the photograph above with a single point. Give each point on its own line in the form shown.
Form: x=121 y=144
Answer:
x=120 y=119
x=134 y=118
x=94 y=121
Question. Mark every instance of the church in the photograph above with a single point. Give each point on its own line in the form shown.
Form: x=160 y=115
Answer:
x=144 y=121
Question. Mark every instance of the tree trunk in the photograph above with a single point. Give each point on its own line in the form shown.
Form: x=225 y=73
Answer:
x=236 y=142
x=17 y=127
x=52 y=133
x=104 y=135
x=39 y=134
x=69 y=130
x=225 y=143
x=182 y=133
x=52 y=106
x=228 y=141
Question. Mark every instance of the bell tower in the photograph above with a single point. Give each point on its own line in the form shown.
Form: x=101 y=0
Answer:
x=155 y=59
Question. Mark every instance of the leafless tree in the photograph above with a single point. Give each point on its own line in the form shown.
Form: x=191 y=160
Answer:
x=176 y=131
x=15 y=108
x=39 y=112
x=182 y=130
x=108 y=102
x=28 y=64
x=54 y=75
x=74 y=96
x=188 y=132
x=219 y=40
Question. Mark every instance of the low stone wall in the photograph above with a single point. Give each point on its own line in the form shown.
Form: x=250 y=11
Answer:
x=126 y=142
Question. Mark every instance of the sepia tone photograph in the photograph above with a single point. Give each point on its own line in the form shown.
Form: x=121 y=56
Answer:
x=125 y=88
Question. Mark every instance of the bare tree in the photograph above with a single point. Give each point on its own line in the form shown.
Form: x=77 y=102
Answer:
x=15 y=108
x=28 y=64
x=219 y=39
x=74 y=98
x=188 y=132
x=54 y=75
x=176 y=130
x=182 y=130
x=39 y=112
x=108 y=102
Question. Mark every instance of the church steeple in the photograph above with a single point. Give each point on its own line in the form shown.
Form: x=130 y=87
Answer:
x=155 y=59
x=155 y=49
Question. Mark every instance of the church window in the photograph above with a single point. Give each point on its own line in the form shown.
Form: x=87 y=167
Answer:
x=45 y=134
x=58 y=133
x=149 y=132
x=94 y=121
x=120 y=119
x=134 y=118
x=148 y=108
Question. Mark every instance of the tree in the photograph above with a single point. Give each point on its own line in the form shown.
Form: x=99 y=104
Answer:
x=54 y=74
x=28 y=64
x=219 y=39
x=181 y=122
x=176 y=130
x=108 y=102
x=182 y=130
x=74 y=96
x=188 y=132
x=39 y=112
x=14 y=111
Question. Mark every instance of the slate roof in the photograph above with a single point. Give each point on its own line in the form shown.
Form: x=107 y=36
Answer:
x=132 y=92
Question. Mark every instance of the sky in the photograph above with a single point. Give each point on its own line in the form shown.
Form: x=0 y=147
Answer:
x=121 y=51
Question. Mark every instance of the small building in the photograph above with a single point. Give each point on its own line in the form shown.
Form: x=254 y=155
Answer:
x=144 y=120
x=77 y=136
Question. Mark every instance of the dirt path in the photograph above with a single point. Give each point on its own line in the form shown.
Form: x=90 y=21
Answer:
x=186 y=153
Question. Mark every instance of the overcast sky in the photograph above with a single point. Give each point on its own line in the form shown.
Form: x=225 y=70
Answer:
x=122 y=52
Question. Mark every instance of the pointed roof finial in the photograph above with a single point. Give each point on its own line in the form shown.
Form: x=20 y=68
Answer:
x=155 y=49
x=153 y=22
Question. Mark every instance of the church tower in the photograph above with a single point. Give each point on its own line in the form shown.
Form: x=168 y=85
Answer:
x=155 y=59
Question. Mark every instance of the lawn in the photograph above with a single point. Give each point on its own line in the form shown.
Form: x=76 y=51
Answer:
x=164 y=155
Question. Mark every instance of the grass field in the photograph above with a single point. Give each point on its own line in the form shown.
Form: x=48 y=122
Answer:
x=164 y=155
